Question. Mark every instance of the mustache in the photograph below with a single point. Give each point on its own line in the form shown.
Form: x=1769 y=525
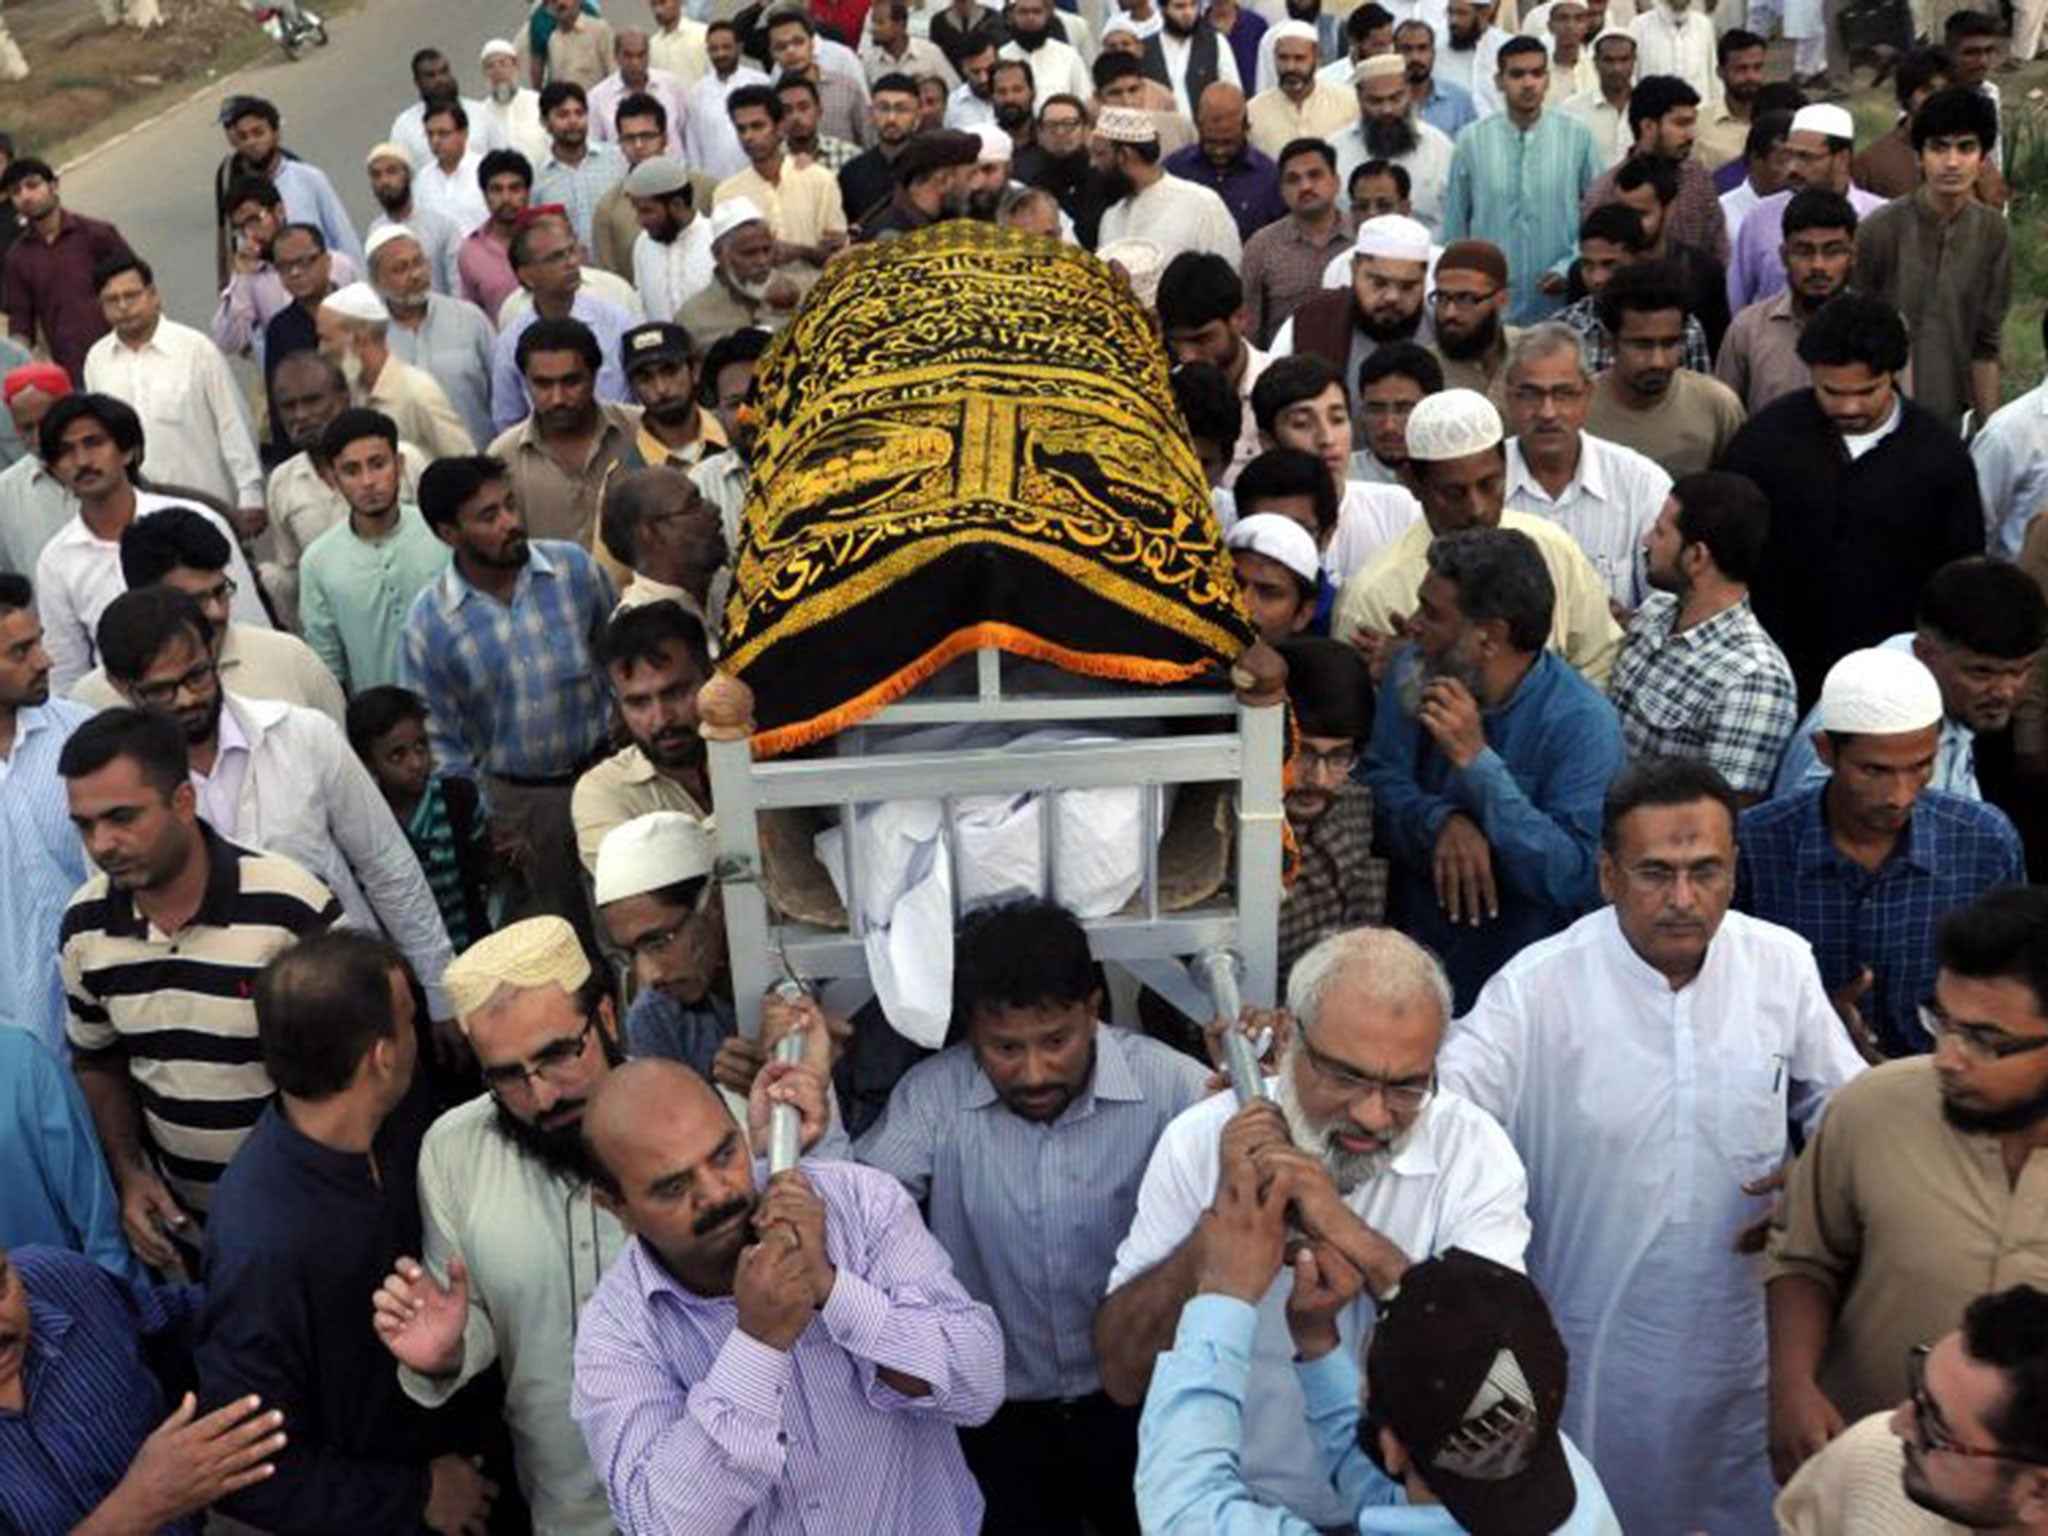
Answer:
x=718 y=1215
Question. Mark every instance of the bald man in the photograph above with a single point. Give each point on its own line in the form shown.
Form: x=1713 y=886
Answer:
x=769 y=1357
x=1223 y=159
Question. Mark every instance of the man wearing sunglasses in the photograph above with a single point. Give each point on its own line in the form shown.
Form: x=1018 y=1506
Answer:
x=1927 y=1179
x=1967 y=1450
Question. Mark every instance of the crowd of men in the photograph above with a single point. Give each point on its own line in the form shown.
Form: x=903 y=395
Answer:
x=1617 y=453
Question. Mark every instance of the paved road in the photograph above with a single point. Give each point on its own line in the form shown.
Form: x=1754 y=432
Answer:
x=337 y=101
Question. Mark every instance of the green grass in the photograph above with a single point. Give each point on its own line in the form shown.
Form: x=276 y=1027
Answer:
x=2026 y=174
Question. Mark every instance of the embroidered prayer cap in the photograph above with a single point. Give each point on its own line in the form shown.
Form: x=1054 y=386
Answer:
x=652 y=853
x=358 y=301
x=1381 y=66
x=1277 y=538
x=1453 y=424
x=387 y=151
x=382 y=236
x=1392 y=237
x=1481 y=256
x=1118 y=23
x=1126 y=125
x=1467 y=1367
x=1879 y=693
x=731 y=213
x=497 y=48
x=659 y=176
x=1825 y=119
x=534 y=952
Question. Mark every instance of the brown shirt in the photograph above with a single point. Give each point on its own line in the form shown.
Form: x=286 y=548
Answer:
x=1903 y=1220
x=1684 y=432
x=583 y=53
x=1891 y=169
x=1283 y=269
x=559 y=503
x=1760 y=354
x=1952 y=281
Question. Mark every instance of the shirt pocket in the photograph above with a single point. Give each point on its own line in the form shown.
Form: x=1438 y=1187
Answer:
x=1753 y=1113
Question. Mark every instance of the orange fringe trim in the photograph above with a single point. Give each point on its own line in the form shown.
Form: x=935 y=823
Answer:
x=1005 y=637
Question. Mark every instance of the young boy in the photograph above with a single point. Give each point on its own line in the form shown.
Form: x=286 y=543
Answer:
x=443 y=817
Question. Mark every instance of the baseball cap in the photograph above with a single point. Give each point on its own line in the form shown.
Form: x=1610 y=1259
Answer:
x=1467 y=1368
x=659 y=341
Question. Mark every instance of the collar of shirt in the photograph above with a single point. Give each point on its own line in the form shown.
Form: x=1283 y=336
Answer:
x=50 y=1322
x=1919 y=848
x=223 y=885
x=1778 y=308
x=458 y=590
x=1859 y=443
x=615 y=424
x=1588 y=478
x=1711 y=631
x=355 y=1172
x=1112 y=1081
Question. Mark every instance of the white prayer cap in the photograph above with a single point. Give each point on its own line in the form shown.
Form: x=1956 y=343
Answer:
x=1825 y=119
x=1622 y=33
x=1453 y=424
x=358 y=301
x=657 y=176
x=1878 y=693
x=1277 y=538
x=1392 y=237
x=387 y=151
x=1294 y=31
x=497 y=48
x=652 y=853
x=1118 y=23
x=1142 y=262
x=535 y=952
x=1126 y=125
x=382 y=236
x=997 y=147
x=730 y=213
x=1381 y=66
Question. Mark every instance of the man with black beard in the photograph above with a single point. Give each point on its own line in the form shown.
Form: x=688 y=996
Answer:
x=932 y=181
x=1472 y=339
x=514 y=1242
x=866 y=180
x=1187 y=56
x=1389 y=266
x=1013 y=88
x=1471 y=58
x=1919 y=1188
x=660 y=360
x=1056 y=66
x=1058 y=162
x=1389 y=129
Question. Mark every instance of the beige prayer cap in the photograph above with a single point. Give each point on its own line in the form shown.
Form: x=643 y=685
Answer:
x=1453 y=424
x=535 y=952
x=1879 y=693
x=1381 y=66
x=1126 y=125
x=386 y=151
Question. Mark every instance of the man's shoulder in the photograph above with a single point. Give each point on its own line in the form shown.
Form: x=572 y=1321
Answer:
x=1709 y=391
x=278 y=878
x=1884 y=1098
x=1777 y=821
x=458 y=1135
x=1960 y=813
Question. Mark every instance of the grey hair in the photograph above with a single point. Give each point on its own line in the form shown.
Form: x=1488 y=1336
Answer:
x=1547 y=340
x=1392 y=967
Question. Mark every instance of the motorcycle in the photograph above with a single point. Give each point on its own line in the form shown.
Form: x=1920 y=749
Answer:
x=291 y=27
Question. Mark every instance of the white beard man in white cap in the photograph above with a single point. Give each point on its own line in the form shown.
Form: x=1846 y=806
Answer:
x=1389 y=266
x=354 y=330
x=509 y=115
x=747 y=288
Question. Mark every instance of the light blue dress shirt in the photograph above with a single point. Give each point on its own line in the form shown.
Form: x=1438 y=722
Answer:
x=1520 y=190
x=310 y=198
x=54 y=1178
x=44 y=864
x=1188 y=1439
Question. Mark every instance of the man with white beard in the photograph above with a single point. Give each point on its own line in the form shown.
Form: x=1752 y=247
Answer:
x=509 y=114
x=1380 y=1169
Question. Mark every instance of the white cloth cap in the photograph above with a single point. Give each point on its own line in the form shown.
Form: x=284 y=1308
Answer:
x=1621 y=32
x=652 y=853
x=997 y=148
x=382 y=236
x=1381 y=66
x=496 y=48
x=1142 y=261
x=1825 y=119
x=1878 y=693
x=730 y=213
x=1392 y=237
x=358 y=301
x=1126 y=125
x=388 y=150
x=1294 y=31
x=1277 y=538
x=1115 y=24
x=1453 y=424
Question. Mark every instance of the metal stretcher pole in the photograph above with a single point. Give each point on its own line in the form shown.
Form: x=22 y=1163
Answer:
x=1219 y=971
x=784 y=1124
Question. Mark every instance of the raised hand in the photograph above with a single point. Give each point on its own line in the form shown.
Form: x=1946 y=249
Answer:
x=798 y=1085
x=421 y=1320
x=772 y=1289
x=790 y=1202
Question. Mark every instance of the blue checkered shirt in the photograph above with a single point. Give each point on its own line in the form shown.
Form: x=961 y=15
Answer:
x=1720 y=691
x=512 y=688
x=1791 y=873
x=581 y=187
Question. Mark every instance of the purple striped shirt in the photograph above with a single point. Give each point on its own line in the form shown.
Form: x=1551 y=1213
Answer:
x=695 y=1426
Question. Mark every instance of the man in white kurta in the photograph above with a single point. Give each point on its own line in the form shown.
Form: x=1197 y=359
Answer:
x=1646 y=1063
x=1174 y=215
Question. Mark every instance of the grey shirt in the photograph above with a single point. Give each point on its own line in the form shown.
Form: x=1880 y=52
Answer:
x=454 y=345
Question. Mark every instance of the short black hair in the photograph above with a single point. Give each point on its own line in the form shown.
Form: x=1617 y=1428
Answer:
x=1500 y=575
x=980 y=39
x=1196 y=289
x=169 y=539
x=762 y=96
x=1110 y=67
x=788 y=82
x=1854 y=328
x=641 y=104
x=1366 y=20
x=1736 y=40
x=504 y=162
x=446 y=106
x=252 y=106
x=789 y=17
x=1767 y=130
x=1320 y=148
x=312 y=232
x=2002 y=936
x=1023 y=953
x=1956 y=111
x=1919 y=68
x=356 y=422
x=1962 y=24
x=1988 y=606
x=1663 y=781
x=1208 y=405
x=1652 y=171
x=136 y=626
x=1404 y=184
x=375 y=712
x=1289 y=381
x=1618 y=224
x=1727 y=514
x=555 y=92
x=1642 y=287
x=1816 y=208
x=107 y=268
x=16 y=593
x=1409 y=359
x=641 y=635
x=2009 y=1330
x=447 y=484
x=567 y=334
x=1656 y=97
x=745 y=345
x=1287 y=472
x=320 y=1006
x=116 y=417
x=1022 y=66
x=260 y=190
x=1776 y=96
x=151 y=741
x=21 y=170
x=1517 y=45
x=895 y=83
x=1329 y=687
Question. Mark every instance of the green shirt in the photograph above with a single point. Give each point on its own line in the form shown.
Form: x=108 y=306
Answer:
x=354 y=596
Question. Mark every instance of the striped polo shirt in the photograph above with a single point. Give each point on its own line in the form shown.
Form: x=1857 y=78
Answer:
x=179 y=1010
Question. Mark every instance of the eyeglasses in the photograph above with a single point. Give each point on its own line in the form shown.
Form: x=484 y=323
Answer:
x=1979 y=1041
x=1533 y=396
x=1336 y=764
x=197 y=682
x=1060 y=124
x=1707 y=876
x=553 y=1062
x=219 y=595
x=1404 y=1098
x=1931 y=1434
x=1445 y=298
x=297 y=264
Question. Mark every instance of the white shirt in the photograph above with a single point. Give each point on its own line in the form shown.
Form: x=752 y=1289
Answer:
x=195 y=423
x=513 y=124
x=220 y=792
x=964 y=109
x=1428 y=166
x=1179 y=53
x=409 y=131
x=1475 y=68
x=1176 y=216
x=1608 y=124
x=1455 y=1183
x=681 y=51
x=455 y=194
x=306 y=795
x=668 y=275
x=79 y=573
x=1369 y=518
x=1613 y=497
x=1860 y=443
x=1735 y=206
x=709 y=143
x=1680 y=45
x=1056 y=68
x=1640 y=1113
x=2011 y=454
